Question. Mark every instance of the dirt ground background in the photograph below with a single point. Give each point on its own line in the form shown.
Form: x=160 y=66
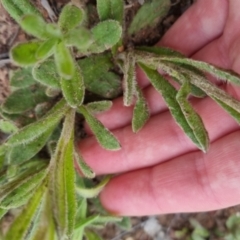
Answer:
x=163 y=227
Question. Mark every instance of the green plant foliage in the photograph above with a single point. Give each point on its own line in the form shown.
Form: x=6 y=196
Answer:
x=98 y=77
x=62 y=180
x=70 y=17
x=46 y=73
x=24 y=99
x=7 y=126
x=105 y=138
x=46 y=49
x=149 y=14
x=24 y=54
x=91 y=235
x=100 y=106
x=110 y=9
x=105 y=35
x=24 y=225
x=21 y=78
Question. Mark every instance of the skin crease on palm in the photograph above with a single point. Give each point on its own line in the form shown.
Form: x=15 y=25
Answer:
x=159 y=169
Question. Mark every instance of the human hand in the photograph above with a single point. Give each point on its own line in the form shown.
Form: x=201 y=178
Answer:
x=160 y=169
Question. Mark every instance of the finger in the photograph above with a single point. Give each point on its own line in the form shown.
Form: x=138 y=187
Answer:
x=200 y=24
x=160 y=139
x=190 y=183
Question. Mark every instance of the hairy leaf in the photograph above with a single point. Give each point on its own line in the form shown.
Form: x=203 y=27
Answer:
x=46 y=74
x=7 y=126
x=24 y=54
x=110 y=9
x=64 y=61
x=25 y=223
x=62 y=180
x=169 y=93
x=36 y=129
x=19 y=8
x=129 y=79
x=81 y=38
x=92 y=192
x=46 y=49
x=70 y=17
x=193 y=119
x=73 y=90
x=97 y=76
x=105 y=138
x=140 y=112
x=105 y=35
x=22 y=78
x=149 y=14
x=23 y=100
x=82 y=165
x=35 y=26
x=99 y=106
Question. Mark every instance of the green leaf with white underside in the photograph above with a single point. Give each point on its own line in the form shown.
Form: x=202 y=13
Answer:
x=149 y=15
x=64 y=61
x=7 y=126
x=17 y=9
x=46 y=74
x=92 y=192
x=46 y=49
x=82 y=165
x=193 y=119
x=98 y=77
x=99 y=106
x=25 y=224
x=105 y=35
x=70 y=17
x=129 y=79
x=140 y=112
x=24 y=54
x=62 y=180
x=17 y=155
x=169 y=93
x=21 y=78
x=80 y=37
x=36 y=129
x=73 y=89
x=110 y=9
x=206 y=67
x=105 y=138
x=23 y=100
x=35 y=26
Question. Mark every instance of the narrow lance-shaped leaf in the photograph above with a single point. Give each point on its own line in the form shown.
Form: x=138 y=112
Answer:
x=64 y=61
x=92 y=192
x=193 y=119
x=35 y=26
x=17 y=155
x=46 y=74
x=34 y=130
x=105 y=35
x=18 y=191
x=169 y=93
x=70 y=17
x=26 y=222
x=82 y=165
x=73 y=90
x=24 y=54
x=140 y=112
x=18 y=8
x=105 y=138
x=129 y=79
x=99 y=106
x=86 y=222
x=62 y=180
x=206 y=67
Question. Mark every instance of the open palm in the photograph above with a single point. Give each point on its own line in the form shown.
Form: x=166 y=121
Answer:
x=160 y=169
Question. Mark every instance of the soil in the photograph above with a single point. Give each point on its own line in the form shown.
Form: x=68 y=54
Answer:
x=169 y=226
